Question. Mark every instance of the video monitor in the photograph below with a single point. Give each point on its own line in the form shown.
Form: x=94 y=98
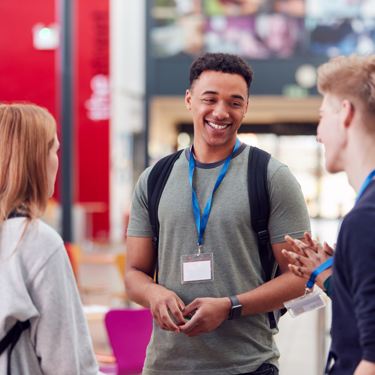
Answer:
x=255 y=37
x=340 y=9
x=332 y=38
x=263 y=29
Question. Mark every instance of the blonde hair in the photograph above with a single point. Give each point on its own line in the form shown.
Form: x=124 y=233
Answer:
x=351 y=78
x=27 y=133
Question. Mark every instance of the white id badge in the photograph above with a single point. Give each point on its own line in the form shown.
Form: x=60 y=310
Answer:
x=305 y=303
x=197 y=268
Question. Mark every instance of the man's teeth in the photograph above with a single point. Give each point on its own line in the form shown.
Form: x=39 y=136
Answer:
x=218 y=127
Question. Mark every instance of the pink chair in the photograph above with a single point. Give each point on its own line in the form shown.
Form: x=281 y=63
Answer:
x=129 y=332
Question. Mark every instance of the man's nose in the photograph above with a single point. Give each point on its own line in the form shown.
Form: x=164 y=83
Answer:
x=220 y=111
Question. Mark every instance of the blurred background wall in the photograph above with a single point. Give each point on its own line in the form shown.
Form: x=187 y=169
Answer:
x=130 y=72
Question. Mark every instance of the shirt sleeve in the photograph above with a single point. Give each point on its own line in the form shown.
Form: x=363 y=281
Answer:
x=289 y=215
x=139 y=221
x=359 y=241
x=327 y=286
x=63 y=344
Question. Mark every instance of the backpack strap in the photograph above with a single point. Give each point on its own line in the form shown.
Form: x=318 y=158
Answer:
x=260 y=209
x=155 y=185
x=11 y=339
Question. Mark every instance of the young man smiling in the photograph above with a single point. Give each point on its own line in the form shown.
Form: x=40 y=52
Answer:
x=222 y=277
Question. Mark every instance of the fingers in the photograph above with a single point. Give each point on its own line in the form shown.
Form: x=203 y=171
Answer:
x=164 y=321
x=313 y=244
x=195 y=321
x=161 y=305
x=177 y=313
x=299 y=271
x=193 y=324
x=291 y=257
x=310 y=242
x=328 y=249
x=191 y=307
x=296 y=245
x=296 y=270
x=209 y=314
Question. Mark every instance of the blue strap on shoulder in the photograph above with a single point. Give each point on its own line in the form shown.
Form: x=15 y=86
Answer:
x=365 y=184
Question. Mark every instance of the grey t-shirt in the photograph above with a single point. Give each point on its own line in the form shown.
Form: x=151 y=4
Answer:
x=237 y=346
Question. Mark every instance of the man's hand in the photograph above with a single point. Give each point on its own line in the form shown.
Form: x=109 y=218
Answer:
x=142 y=289
x=162 y=301
x=209 y=314
x=305 y=258
x=365 y=368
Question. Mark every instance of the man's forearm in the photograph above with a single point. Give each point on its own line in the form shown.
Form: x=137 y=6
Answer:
x=271 y=295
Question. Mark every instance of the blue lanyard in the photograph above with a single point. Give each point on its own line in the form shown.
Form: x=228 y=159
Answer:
x=202 y=223
x=328 y=263
x=365 y=184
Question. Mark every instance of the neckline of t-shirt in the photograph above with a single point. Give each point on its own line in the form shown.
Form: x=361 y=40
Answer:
x=217 y=163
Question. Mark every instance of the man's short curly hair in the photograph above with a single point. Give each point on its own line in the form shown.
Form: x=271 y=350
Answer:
x=221 y=62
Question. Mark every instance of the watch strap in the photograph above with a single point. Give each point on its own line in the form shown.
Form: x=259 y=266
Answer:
x=235 y=301
x=236 y=309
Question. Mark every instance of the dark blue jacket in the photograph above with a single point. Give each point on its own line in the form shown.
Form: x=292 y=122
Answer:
x=353 y=287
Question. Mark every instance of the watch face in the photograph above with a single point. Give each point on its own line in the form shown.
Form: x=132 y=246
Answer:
x=236 y=312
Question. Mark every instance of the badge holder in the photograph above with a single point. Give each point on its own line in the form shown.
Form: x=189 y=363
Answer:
x=309 y=301
x=197 y=268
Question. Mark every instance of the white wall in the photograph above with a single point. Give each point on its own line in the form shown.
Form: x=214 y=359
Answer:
x=127 y=72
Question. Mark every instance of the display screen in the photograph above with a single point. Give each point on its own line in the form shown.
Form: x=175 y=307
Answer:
x=263 y=29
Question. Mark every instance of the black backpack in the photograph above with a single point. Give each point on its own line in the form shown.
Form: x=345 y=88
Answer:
x=11 y=340
x=259 y=203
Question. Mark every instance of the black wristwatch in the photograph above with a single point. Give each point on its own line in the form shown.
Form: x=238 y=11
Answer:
x=236 y=309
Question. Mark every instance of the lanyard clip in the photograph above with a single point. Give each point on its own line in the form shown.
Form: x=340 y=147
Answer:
x=307 y=291
x=199 y=248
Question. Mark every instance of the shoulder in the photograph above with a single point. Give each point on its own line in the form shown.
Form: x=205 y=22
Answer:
x=43 y=234
x=358 y=220
x=173 y=161
x=362 y=214
x=276 y=168
x=36 y=232
x=30 y=253
x=140 y=191
x=357 y=235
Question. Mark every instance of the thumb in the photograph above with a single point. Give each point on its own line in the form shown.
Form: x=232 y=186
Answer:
x=191 y=307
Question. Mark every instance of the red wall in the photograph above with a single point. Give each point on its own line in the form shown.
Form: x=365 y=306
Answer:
x=93 y=110
x=27 y=74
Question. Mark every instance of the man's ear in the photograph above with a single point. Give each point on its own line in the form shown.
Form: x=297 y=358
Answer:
x=347 y=112
x=247 y=106
x=188 y=100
